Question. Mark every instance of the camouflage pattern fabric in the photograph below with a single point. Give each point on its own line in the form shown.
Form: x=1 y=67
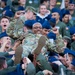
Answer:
x=50 y=46
x=30 y=43
x=15 y=29
x=59 y=44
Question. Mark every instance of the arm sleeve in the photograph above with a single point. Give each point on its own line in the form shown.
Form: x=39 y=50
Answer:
x=40 y=73
x=7 y=70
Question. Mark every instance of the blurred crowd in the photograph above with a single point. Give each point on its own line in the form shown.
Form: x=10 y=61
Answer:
x=37 y=37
